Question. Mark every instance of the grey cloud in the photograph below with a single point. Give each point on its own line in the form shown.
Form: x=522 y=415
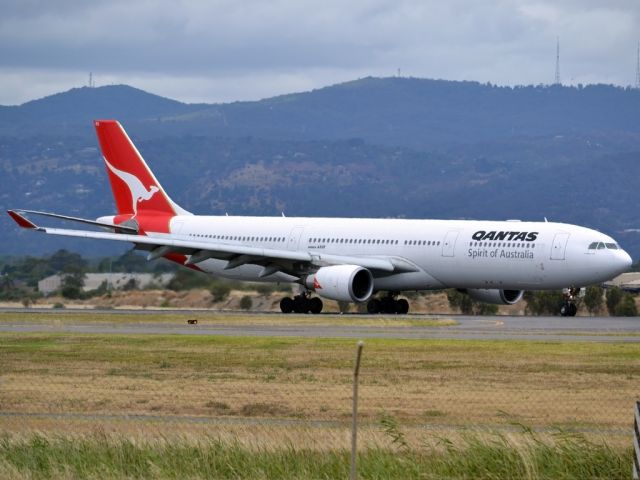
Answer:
x=503 y=41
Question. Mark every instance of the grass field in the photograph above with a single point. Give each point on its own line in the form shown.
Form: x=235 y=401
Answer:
x=208 y=318
x=291 y=397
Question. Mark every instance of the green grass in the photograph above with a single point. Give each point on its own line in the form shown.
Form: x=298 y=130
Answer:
x=99 y=456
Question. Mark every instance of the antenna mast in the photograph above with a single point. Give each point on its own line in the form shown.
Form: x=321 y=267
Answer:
x=557 y=82
x=638 y=68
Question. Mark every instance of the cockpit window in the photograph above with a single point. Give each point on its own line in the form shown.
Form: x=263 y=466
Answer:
x=602 y=246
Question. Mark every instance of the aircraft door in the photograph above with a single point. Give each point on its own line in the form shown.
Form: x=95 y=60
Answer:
x=449 y=243
x=294 y=238
x=559 y=246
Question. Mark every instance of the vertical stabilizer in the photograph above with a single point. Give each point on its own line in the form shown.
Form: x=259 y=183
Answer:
x=135 y=188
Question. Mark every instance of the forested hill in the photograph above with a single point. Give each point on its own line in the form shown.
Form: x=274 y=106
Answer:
x=418 y=113
x=378 y=147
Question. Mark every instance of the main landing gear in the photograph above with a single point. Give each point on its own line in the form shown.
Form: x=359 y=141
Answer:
x=302 y=303
x=569 y=307
x=388 y=304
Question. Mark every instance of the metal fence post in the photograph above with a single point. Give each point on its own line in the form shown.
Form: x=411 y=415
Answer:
x=636 y=441
x=354 y=419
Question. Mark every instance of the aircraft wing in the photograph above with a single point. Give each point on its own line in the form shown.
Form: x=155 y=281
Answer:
x=273 y=260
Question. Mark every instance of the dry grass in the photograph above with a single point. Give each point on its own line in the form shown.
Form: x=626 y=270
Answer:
x=280 y=389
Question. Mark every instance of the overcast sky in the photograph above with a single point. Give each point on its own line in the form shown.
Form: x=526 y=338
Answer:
x=221 y=51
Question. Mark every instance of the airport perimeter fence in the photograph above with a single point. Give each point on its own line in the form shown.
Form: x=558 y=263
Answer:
x=272 y=393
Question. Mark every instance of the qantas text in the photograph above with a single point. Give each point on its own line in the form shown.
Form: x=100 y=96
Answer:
x=508 y=236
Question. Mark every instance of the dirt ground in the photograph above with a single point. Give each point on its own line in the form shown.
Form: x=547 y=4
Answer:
x=428 y=303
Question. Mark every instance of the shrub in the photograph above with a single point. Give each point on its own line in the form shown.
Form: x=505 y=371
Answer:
x=626 y=307
x=220 y=291
x=186 y=279
x=593 y=299
x=545 y=302
x=246 y=303
x=265 y=289
x=468 y=305
x=614 y=296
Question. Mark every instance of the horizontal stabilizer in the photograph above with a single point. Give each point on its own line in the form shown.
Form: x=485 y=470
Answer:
x=25 y=223
x=22 y=221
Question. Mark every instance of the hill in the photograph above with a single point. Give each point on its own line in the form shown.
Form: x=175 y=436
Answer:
x=372 y=147
x=417 y=113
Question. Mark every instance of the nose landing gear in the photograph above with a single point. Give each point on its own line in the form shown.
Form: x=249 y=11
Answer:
x=569 y=307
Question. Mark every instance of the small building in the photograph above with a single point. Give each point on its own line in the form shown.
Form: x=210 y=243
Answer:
x=629 y=282
x=115 y=281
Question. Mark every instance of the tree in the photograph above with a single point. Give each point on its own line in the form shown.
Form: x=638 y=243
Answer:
x=72 y=284
x=246 y=303
x=626 y=307
x=469 y=306
x=543 y=302
x=220 y=291
x=461 y=301
x=65 y=261
x=186 y=279
x=614 y=296
x=593 y=299
x=131 y=284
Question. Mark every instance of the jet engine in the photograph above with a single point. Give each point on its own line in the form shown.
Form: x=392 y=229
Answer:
x=346 y=283
x=497 y=297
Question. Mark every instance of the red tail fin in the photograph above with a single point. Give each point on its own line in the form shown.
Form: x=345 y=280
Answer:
x=135 y=188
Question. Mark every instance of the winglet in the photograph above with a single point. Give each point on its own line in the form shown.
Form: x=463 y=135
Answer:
x=22 y=221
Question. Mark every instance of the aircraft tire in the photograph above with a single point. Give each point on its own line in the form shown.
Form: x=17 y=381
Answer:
x=286 y=305
x=315 y=305
x=300 y=304
x=568 y=309
x=373 y=306
x=388 y=305
x=402 y=306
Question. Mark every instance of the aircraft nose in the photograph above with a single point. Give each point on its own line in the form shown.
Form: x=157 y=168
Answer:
x=624 y=261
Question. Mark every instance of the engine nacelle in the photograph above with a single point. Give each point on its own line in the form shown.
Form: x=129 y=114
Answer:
x=346 y=283
x=497 y=297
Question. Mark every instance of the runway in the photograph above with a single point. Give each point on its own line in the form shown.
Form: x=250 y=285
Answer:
x=555 y=329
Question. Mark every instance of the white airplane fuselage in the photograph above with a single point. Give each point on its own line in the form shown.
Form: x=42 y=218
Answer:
x=445 y=253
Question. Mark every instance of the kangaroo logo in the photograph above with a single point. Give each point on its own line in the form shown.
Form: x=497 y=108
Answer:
x=139 y=192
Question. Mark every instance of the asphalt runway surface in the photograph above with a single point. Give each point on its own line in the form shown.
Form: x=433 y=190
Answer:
x=556 y=329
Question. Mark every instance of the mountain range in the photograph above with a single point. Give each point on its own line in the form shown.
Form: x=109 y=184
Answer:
x=376 y=147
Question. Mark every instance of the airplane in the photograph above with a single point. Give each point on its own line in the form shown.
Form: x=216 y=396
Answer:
x=344 y=259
